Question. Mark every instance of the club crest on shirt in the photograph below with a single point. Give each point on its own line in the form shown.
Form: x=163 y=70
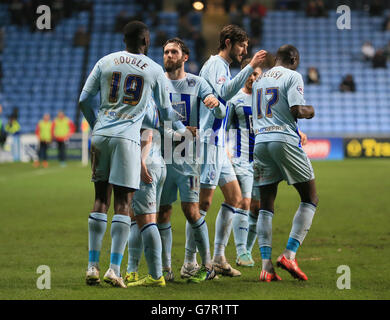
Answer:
x=300 y=90
x=221 y=80
x=191 y=82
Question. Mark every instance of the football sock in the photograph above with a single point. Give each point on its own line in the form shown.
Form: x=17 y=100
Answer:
x=152 y=249
x=266 y=262
x=300 y=227
x=120 y=229
x=264 y=232
x=240 y=230
x=201 y=236
x=190 y=249
x=97 y=225
x=252 y=233
x=135 y=248
x=165 y=230
x=223 y=227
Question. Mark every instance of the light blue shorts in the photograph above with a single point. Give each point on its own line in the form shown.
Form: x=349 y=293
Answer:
x=146 y=200
x=244 y=173
x=256 y=193
x=187 y=185
x=116 y=160
x=276 y=161
x=217 y=168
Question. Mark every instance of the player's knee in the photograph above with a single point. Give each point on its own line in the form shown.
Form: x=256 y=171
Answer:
x=255 y=207
x=234 y=200
x=164 y=214
x=192 y=214
x=245 y=203
x=205 y=205
x=315 y=200
x=122 y=207
x=101 y=205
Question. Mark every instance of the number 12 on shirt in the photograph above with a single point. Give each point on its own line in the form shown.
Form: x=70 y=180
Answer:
x=272 y=101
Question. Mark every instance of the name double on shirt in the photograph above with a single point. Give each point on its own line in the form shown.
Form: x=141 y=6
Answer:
x=131 y=60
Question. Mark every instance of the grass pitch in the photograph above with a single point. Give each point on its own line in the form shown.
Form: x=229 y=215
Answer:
x=44 y=221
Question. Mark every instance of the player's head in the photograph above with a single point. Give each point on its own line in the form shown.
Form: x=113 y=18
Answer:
x=46 y=117
x=136 y=37
x=288 y=56
x=176 y=53
x=253 y=77
x=60 y=114
x=234 y=41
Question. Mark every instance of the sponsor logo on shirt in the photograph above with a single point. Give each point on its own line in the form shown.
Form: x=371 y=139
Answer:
x=271 y=128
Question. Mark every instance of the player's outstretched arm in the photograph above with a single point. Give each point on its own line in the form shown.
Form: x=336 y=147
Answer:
x=217 y=108
x=87 y=107
x=302 y=112
x=230 y=88
x=258 y=59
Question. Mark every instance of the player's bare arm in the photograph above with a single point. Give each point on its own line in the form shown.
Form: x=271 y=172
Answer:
x=302 y=112
x=258 y=59
x=146 y=145
x=303 y=137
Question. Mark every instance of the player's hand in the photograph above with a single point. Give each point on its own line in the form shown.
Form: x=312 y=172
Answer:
x=258 y=59
x=211 y=102
x=145 y=176
x=193 y=130
x=303 y=137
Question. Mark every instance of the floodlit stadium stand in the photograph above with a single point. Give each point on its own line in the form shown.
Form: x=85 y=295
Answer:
x=43 y=71
x=336 y=53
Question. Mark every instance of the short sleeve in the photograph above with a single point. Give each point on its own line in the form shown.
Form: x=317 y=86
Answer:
x=295 y=91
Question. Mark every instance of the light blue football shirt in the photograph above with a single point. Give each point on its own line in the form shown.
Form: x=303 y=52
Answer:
x=152 y=121
x=186 y=96
x=217 y=73
x=274 y=93
x=126 y=81
x=240 y=120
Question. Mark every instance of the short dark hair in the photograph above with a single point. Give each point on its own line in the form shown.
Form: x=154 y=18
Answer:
x=134 y=33
x=287 y=53
x=180 y=43
x=232 y=32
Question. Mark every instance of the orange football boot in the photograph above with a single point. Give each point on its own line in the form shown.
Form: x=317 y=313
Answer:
x=268 y=277
x=291 y=266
